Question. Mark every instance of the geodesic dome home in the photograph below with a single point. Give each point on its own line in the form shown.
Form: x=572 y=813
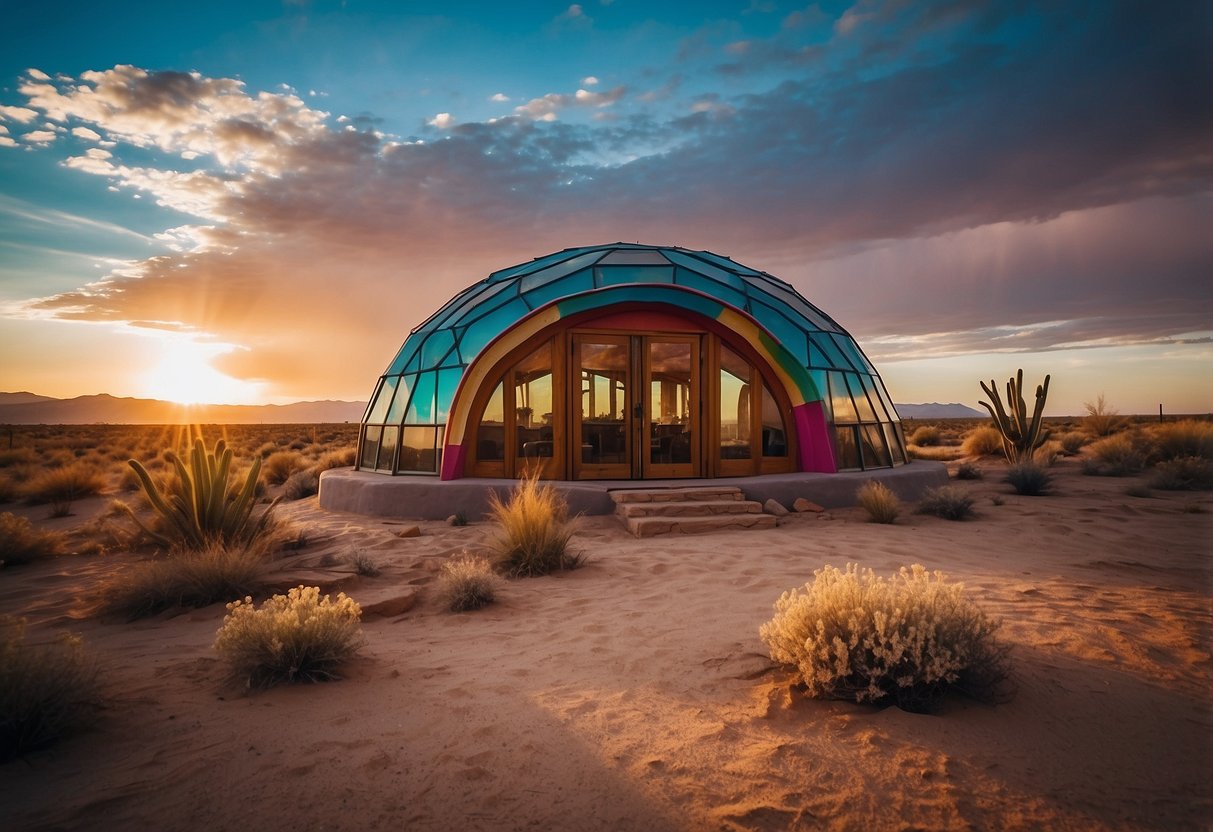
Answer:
x=629 y=362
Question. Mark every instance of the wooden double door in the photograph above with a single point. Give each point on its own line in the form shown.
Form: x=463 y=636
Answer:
x=636 y=406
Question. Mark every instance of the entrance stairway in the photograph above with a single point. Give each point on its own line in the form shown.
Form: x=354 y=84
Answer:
x=651 y=511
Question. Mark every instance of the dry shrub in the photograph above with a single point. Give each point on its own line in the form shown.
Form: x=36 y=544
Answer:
x=363 y=564
x=968 y=471
x=1029 y=478
x=1118 y=456
x=1102 y=419
x=280 y=465
x=942 y=453
x=21 y=543
x=854 y=635
x=335 y=459
x=535 y=530
x=1072 y=442
x=924 y=436
x=300 y=485
x=1187 y=473
x=187 y=578
x=1188 y=438
x=66 y=484
x=878 y=501
x=46 y=691
x=467 y=583
x=297 y=637
x=948 y=502
x=18 y=456
x=9 y=492
x=986 y=441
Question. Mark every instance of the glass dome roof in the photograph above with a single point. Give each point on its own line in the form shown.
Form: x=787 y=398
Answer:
x=421 y=384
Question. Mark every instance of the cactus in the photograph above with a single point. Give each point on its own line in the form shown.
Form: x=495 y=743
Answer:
x=198 y=509
x=1021 y=436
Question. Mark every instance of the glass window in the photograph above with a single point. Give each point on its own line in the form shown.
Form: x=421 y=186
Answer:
x=485 y=329
x=395 y=414
x=848 y=449
x=736 y=378
x=791 y=336
x=533 y=406
x=382 y=401
x=370 y=447
x=891 y=438
x=490 y=436
x=448 y=383
x=421 y=408
x=417 y=449
x=387 y=448
x=774 y=437
x=573 y=284
x=718 y=290
x=436 y=346
x=619 y=275
x=852 y=351
x=833 y=356
x=604 y=402
x=862 y=405
x=542 y=278
x=715 y=273
x=875 y=454
x=840 y=400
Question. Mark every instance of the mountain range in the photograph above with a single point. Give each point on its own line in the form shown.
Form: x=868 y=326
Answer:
x=30 y=409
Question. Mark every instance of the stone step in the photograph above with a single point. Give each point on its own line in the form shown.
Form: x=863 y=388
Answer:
x=649 y=526
x=676 y=495
x=689 y=508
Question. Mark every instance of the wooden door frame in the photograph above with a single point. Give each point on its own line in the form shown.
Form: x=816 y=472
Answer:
x=579 y=469
x=677 y=470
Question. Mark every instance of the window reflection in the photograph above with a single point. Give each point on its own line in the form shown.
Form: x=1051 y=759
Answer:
x=533 y=405
x=736 y=376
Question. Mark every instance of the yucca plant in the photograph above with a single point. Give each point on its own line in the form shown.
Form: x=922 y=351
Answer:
x=196 y=507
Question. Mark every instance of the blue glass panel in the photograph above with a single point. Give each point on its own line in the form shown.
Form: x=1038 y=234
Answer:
x=714 y=272
x=470 y=303
x=833 y=356
x=382 y=400
x=396 y=415
x=414 y=362
x=481 y=332
x=436 y=346
x=848 y=346
x=582 y=281
x=789 y=296
x=546 y=276
x=793 y=338
x=840 y=400
x=543 y=262
x=619 y=275
x=714 y=288
x=421 y=407
x=819 y=379
x=724 y=262
x=448 y=381
x=862 y=406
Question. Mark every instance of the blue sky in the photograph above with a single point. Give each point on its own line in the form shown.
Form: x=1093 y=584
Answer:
x=256 y=201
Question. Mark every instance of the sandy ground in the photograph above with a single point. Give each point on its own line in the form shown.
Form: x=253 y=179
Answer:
x=634 y=693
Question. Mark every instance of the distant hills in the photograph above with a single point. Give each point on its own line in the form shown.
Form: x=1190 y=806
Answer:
x=935 y=410
x=31 y=409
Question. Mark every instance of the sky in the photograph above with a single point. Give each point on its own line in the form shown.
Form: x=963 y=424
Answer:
x=255 y=201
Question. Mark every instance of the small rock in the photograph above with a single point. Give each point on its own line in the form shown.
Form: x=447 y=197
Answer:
x=453 y=520
x=773 y=506
x=411 y=531
x=386 y=601
x=802 y=504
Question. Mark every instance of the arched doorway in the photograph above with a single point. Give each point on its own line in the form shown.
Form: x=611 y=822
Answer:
x=631 y=394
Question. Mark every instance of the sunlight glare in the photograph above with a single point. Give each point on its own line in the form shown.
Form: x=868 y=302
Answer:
x=184 y=375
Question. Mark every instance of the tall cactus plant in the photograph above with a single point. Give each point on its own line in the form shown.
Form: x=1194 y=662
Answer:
x=1021 y=435
x=197 y=509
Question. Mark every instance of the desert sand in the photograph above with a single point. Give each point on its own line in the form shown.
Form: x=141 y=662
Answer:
x=634 y=693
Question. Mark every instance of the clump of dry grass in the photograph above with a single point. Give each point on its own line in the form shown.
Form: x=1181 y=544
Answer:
x=1102 y=419
x=363 y=564
x=46 y=691
x=1072 y=442
x=335 y=459
x=948 y=502
x=1029 y=478
x=467 y=583
x=968 y=471
x=854 y=635
x=9 y=492
x=1186 y=473
x=983 y=441
x=297 y=637
x=280 y=465
x=534 y=530
x=186 y=578
x=1120 y=455
x=878 y=501
x=301 y=485
x=924 y=436
x=67 y=484
x=21 y=543
x=1187 y=438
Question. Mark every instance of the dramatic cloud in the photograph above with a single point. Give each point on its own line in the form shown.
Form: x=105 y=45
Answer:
x=968 y=197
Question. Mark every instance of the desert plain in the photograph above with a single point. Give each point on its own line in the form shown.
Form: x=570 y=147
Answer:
x=634 y=693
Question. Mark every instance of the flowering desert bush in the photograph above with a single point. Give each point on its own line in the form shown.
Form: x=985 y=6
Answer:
x=467 y=583
x=910 y=639
x=297 y=637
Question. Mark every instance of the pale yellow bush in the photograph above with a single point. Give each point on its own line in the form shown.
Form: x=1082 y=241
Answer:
x=467 y=583
x=880 y=503
x=534 y=530
x=985 y=441
x=299 y=636
x=855 y=635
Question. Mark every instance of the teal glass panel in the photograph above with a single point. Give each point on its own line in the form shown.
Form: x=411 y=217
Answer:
x=862 y=406
x=421 y=406
x=396 y=414
x=792 y=337
x=700 y=283
x=401 y=361
x=472 y=302
x=546 y=276
x=448 y=383
x=875 y=454
x=724 y=262
x=543 y=263
x=493 y=323
x=417 y=450
x=852 y=351
x=694 y=264
x=415 y=364
x=387 y=448
x=840 y=400
x=788 y=296
x=628 y=256
x=383 y=400
x=621 y=275
x=573 y=284
x=436 y=346
x=833 y=356
x=820 y=382
x=370 y=447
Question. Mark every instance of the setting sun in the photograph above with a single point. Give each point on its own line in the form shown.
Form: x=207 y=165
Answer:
x=184 y=375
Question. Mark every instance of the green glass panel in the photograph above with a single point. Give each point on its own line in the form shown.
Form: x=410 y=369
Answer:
x=490 y=436
x=819 y=381
x=383 y=400
x=724 y=262
x=834 y=357
x=545 y=262
x=421 y=407
x=401 y=361
x=790 y=298
x=475 y=301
